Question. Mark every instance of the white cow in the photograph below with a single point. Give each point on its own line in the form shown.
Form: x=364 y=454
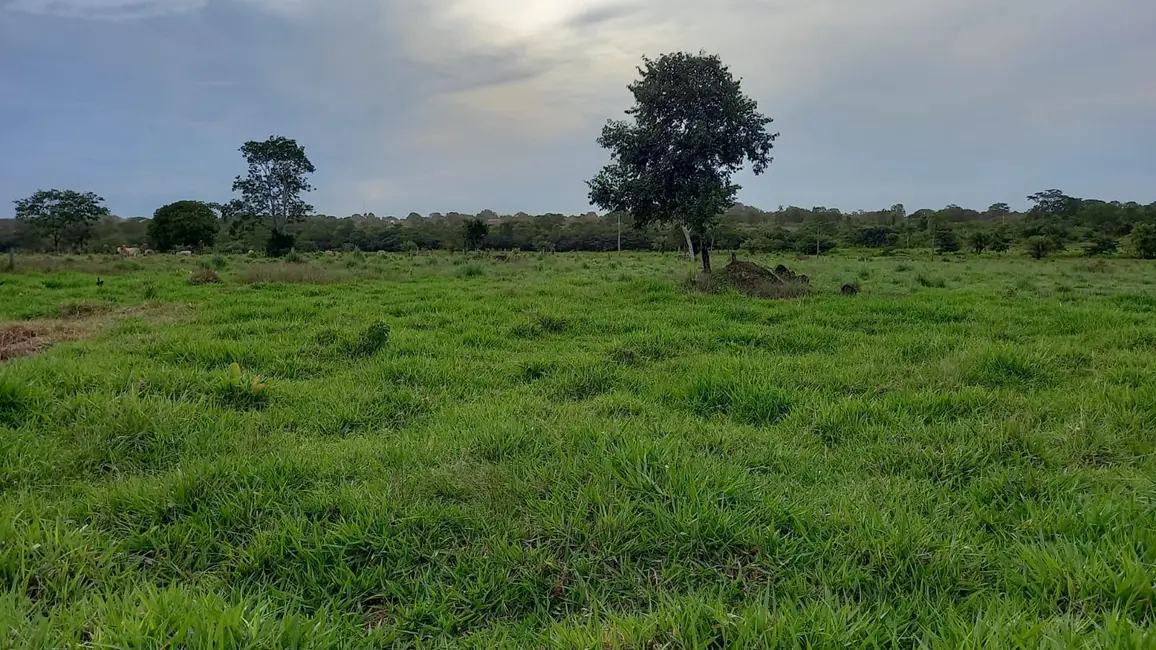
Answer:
x=185 y=253
x=125 y=251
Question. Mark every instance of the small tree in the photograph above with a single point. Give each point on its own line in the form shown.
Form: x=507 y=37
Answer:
x=474 y=233
x=63 y=216
x=692 y=128
x=979 y=241
x=184 y=224
x=1000 y=240
x=946 y=241
x=1101 y=244
x=1039 y=246
x=271 y=192
x=1144 y=241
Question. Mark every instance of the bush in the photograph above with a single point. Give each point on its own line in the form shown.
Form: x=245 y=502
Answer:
x=205 y=276
x=946 y=241
x=1039 y=246
x=279 y=244
x=219 y=262
x=1101 y=244
x=295 y=258
x=1144 y=241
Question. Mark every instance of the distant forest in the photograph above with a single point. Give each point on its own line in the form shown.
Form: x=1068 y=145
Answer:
x=1063 y=222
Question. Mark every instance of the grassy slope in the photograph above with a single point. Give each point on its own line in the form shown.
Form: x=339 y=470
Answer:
x=571 y=451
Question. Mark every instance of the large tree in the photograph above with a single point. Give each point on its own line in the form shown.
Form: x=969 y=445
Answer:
x=271 y=192
x=184 y=224
x=690 y=129
x=1053 y=203
x=63 y=216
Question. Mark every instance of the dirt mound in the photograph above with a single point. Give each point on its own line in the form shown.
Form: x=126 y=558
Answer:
x=19 y=341
x=760 y=282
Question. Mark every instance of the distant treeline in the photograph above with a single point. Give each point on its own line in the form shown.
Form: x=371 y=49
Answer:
x=1057 y=220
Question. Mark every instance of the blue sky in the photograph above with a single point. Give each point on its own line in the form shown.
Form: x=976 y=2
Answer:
x=440 y=105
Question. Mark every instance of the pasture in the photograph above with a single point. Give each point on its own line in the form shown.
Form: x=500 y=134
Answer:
x=575 y=451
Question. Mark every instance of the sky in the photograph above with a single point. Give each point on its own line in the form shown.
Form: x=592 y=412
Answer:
x=463 y=105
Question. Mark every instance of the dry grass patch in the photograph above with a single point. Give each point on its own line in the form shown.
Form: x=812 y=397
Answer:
x=288 y=273
x=78 y=321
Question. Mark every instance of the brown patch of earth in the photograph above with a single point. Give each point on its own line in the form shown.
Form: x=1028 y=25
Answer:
x=25 y=338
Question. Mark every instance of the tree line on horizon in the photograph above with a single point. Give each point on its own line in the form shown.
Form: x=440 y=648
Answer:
x=1093 y=226
x=667 y=187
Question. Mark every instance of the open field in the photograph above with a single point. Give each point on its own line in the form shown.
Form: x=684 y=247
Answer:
x=573 y=451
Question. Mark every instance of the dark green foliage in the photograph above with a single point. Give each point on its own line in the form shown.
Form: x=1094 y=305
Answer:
x=279 y=244
x=1144 y=241
x=271 y=192
x=1000 y=240
x=183 y=225
x=875 y=237
x=63 y=216
x=979 y=241
x=946 y=241
x=1039 y=246
x=691 y=129
x=474 y=233
x=1101 y=244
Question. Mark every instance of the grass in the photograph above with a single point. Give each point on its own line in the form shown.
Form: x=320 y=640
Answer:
x=573 y=451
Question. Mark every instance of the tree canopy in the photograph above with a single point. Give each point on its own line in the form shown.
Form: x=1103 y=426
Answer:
x=690 y=129
x=63 y=216
x=184 y=224
x=271 y=192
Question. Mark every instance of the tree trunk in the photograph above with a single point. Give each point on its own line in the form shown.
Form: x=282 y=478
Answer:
x=704 y=249
x=689 y=243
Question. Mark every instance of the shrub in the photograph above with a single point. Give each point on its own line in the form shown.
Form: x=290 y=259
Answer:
x=219 y=262
x=295 y=258
x=1039 y=246
x=150 y=292
x=1101 y=244
x=946 y=241
x=205 y=276
x=1144 y=241
x=470 y=271
x=279 y=244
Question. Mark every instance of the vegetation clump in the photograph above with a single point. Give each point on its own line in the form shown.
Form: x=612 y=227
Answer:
x=204 y=276
x=755 y=281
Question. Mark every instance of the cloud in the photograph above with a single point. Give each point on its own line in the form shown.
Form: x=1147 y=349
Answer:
x=104 y=9
x=413 y=103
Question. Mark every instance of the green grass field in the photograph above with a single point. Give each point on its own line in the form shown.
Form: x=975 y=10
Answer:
x=573 y=451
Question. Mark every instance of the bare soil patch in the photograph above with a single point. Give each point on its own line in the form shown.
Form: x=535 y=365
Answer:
x=25 y=338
